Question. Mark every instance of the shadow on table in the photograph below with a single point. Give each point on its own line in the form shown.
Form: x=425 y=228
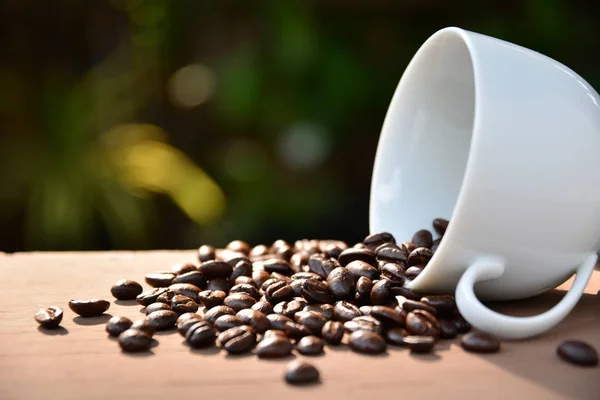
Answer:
x=90 y=321
x=126 y=302
x=141 y=354
x=60 y=331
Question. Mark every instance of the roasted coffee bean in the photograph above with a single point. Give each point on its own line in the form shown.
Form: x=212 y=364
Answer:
x=435 y=245
x=239 y=246
x=578 y=353
x=380 y=293
x=365 y=310
x=134 y=340
x=298 y=260
x=296 y=331
x=461 y=325
x=166 y=297
x=244 y=280
x=263 y=306
x=89 y=308
x=289 y=308
x=440 y=225
x=182 y=304
x=315 y=291
x=279 y=243
x=312 y=320
x=274 y=346
x=387 y=315
x=324 y=244
x=422 y=238
x=117 y=325
x=186 y=289
x=422 y=323
x=242 y=268
x=480 y=342
x=281 y=277
x=248 y=289
x=410 y=305
x=321 y=265
x=239 y=301
x=221 y=284
x=260 y=277
x=405 y=292
x=306 y=275
x=278 y=292
x=363 y=323
x=344 y=311
x=238 y=339
x=392 y=255
x=257 y=320
x=367 y=342
x=232 y=257
x=419 y=256
x=185 y=321
x=274 y=332
x=354 y=254
x=284 y=253
x=310 y=345
x=298 y=372
x=215 y=269
x=448 y=329
x=413 y=272
x=196 y=278
x=396 y=336
x=296 y=286
x=206 y=253
x=215 y=312
x=268 y=283
x=363 y=290
x=444 y=304
x=49 y=318
x=211 y=298
x=201 y=334
x=277 y=265
x=162 y=320
x=144 y=326
x=341 y=283
x=360 y=268
x=227 y=321
x=377 y=239
x=333 y=332
x=419 y=344
x=332 y=251
x=160 y=279
x=154 y=307
x=387 y=245
x=126 y=290
x=407 y=247
x=183 y=268
x=393 y=273
x=259 y=250
x=278 y=321
x=324 y=309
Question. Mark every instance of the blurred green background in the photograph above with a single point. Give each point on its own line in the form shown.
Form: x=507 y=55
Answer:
x=135 y=124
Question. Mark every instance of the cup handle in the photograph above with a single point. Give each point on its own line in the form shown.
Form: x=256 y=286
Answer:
x=506 y=326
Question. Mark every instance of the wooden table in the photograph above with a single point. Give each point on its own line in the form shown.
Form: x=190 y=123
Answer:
x=78 y=361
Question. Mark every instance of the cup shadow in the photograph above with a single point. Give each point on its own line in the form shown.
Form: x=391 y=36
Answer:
x=91 y=321
x=59 y=331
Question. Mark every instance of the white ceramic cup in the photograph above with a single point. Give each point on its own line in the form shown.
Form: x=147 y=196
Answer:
x=505 y=143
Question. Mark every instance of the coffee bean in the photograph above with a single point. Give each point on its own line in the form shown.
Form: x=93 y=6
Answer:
x=277 y=265
x=363 y=323
x=393 y=273
x=324 y=309
x=333 y=332
x=227 y=321
x=49 y=318
x=206 y=253
x=422 y=238
x=278 y=321
x=407 y=247
x=144 y=326
x=248 y=289
x=447 y=329
x=315 y=291
x=354 y=254
x=260 y=277
x=201 y=334
x=215 y=312
x=274 y=346
x=117 y=325
x=242 y=268
x=321 y=265
x=154 y=307
x=259 y=250
x=278 y=292
x=166 y=297
x=440 y=225
x=280 y=277
x=295 y=331
x=238 y=339
x=377 y=239
x=195 y=278
x=182 y=304
x=405 y=292
x=183 y=268
x=360 y=268
x=578 y=353
x=246 y=280
x=461 y=325
x=259 y=321
x=396 y=336
x=366 y=310
x=221 y=284
x=284 y=253
x=306 y=275
x=89 y=308
x=422 y=323
x=126 y=290
x=410 y=305
x=367 y=342
x=185 y=321
x=341 y=284
x=344 y=311
x=392 y=255
x=480 y=342
x=298 y=372
x=298 y=260
x=239 y=246
x=387 y=315
x=419 y=256
x=444 y=304
x=186 y=289
x=268 y=283
x=264 y=307
x=435 y=245
x=419 y=344
x=215 y=269
x=363 y=290
x=211 y=298
x=380 y=293
x=296 y=286
x=239 y=301
x=160 y=279
x=333 y=251
x=312 y=320
x=232 y=257
x=289 y=308
x=310 y=345
x=274 y=332
x=162 y=320
x=135 y=340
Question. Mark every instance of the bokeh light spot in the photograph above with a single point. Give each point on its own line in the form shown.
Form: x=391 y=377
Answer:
x=191 y=85
x=304 y=146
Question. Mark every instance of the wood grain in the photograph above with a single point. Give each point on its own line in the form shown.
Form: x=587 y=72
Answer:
x=80 y=362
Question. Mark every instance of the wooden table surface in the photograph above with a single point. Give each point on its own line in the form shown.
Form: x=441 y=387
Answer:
x=80 y=362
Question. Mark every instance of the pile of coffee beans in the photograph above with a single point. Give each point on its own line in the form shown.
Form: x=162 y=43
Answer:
x=275 y=299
